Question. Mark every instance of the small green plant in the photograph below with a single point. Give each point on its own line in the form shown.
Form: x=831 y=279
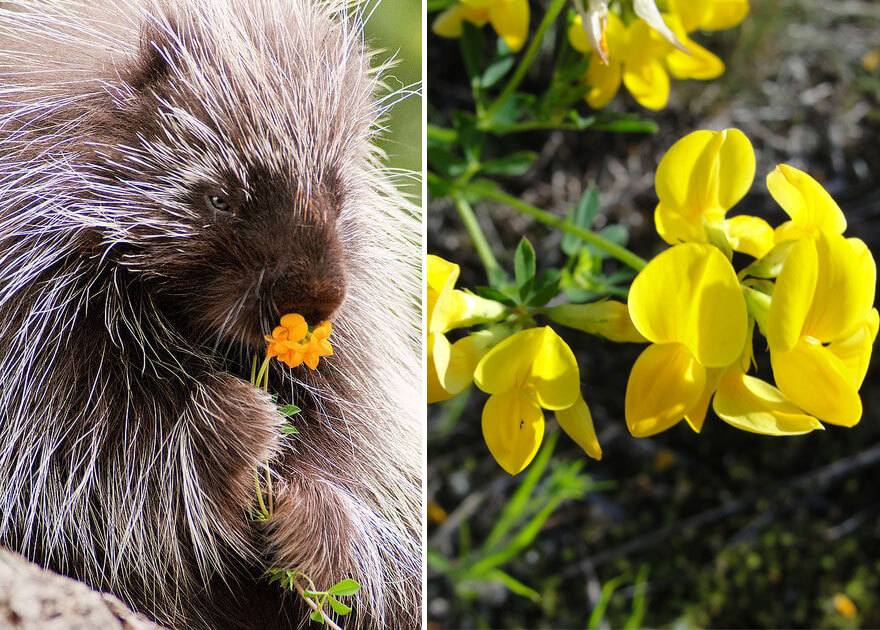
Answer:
x=517 y=526
x=291 y=579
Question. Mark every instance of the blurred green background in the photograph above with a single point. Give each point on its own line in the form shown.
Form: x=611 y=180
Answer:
x=396 y=29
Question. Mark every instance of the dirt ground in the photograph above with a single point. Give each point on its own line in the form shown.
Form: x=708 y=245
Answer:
x=737 y=530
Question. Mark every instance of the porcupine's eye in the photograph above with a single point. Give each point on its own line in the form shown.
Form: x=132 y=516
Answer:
x=218 y=204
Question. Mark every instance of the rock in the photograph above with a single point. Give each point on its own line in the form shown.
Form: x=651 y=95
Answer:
x=32 y=598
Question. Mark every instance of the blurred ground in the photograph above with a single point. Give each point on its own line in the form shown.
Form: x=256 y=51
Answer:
x=738 y=530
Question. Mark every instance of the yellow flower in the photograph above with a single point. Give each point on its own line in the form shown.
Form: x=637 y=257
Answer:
x=635 y=57
x=811 y=208
x=608 y=318
x=698 y=180
x=529 y=371
x=709 y=15
x=451 y=366
x=688 y=302
x=844 y=606
x=821 y=325
x=509 y=18
x=449 y=308
x=292 y=343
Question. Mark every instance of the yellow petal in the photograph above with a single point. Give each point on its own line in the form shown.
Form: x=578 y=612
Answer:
x=646 y=79
x=604 y=81
x=608 y=318
x=690 y=294
x=845 y=285
x=464 y=309
x=464 y=356
x=696 y=415
x=666 y=381
x=296 y=326
x=508 y=365
x=697 y=63
x=817 y=381
x=855 y=350
x=513 y=427
x=810 y=207
x=750 y=404
x=577 y=422
x=710 y=15
x=449 y=22
x=749 y=235
x=555 y=376
x=510 y=19
x=577 y=37
x=702 y=175
x=792 y=296
x=441 y=277
x=439 y=351
x=723 y=14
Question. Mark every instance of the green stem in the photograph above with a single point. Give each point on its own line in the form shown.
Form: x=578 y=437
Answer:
x=263 y=509
x=263 y=373
x=620 y=253
x=527 y=60
x=484 y=250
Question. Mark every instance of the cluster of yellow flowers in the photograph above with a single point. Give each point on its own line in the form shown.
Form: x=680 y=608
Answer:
x=817 y=317
x=524 y=372
x=643 y=53
x=294 y=344
x=809 y=291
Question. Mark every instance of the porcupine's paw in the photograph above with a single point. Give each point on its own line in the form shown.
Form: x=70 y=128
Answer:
x=328 y=533
x=236 y=430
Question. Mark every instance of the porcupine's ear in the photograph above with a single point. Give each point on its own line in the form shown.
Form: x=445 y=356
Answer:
x=159 y=54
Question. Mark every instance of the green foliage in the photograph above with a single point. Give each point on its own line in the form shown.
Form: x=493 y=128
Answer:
x=288 y=579
x=517 y=526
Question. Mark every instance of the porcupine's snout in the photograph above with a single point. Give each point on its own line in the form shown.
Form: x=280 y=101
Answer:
x=313 y=284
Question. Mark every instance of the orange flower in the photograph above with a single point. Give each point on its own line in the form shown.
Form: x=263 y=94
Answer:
x=292 y=343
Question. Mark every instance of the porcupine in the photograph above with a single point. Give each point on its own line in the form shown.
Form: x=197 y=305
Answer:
x=174 y=176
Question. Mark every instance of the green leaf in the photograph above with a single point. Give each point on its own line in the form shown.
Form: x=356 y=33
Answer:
x=513 y=584
x=438 y=187
x=338 y=607
x=317 y=616
x=446 y=163
x=469 y=137
x=289 y=410
x=276 y=577
x=639 y=601
x=496 y=71
x=289 y=429
x=313 y=594
x=344 y=587
x=583 y=215
x=491 y=293
x=515 y=507
x=524 y=263
x=513 y=164
x=438 y=562
x=513 y=109
x=546 y=287
x=604 y=597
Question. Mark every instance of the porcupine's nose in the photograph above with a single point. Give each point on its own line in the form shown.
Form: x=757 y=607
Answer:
x=315 y=291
